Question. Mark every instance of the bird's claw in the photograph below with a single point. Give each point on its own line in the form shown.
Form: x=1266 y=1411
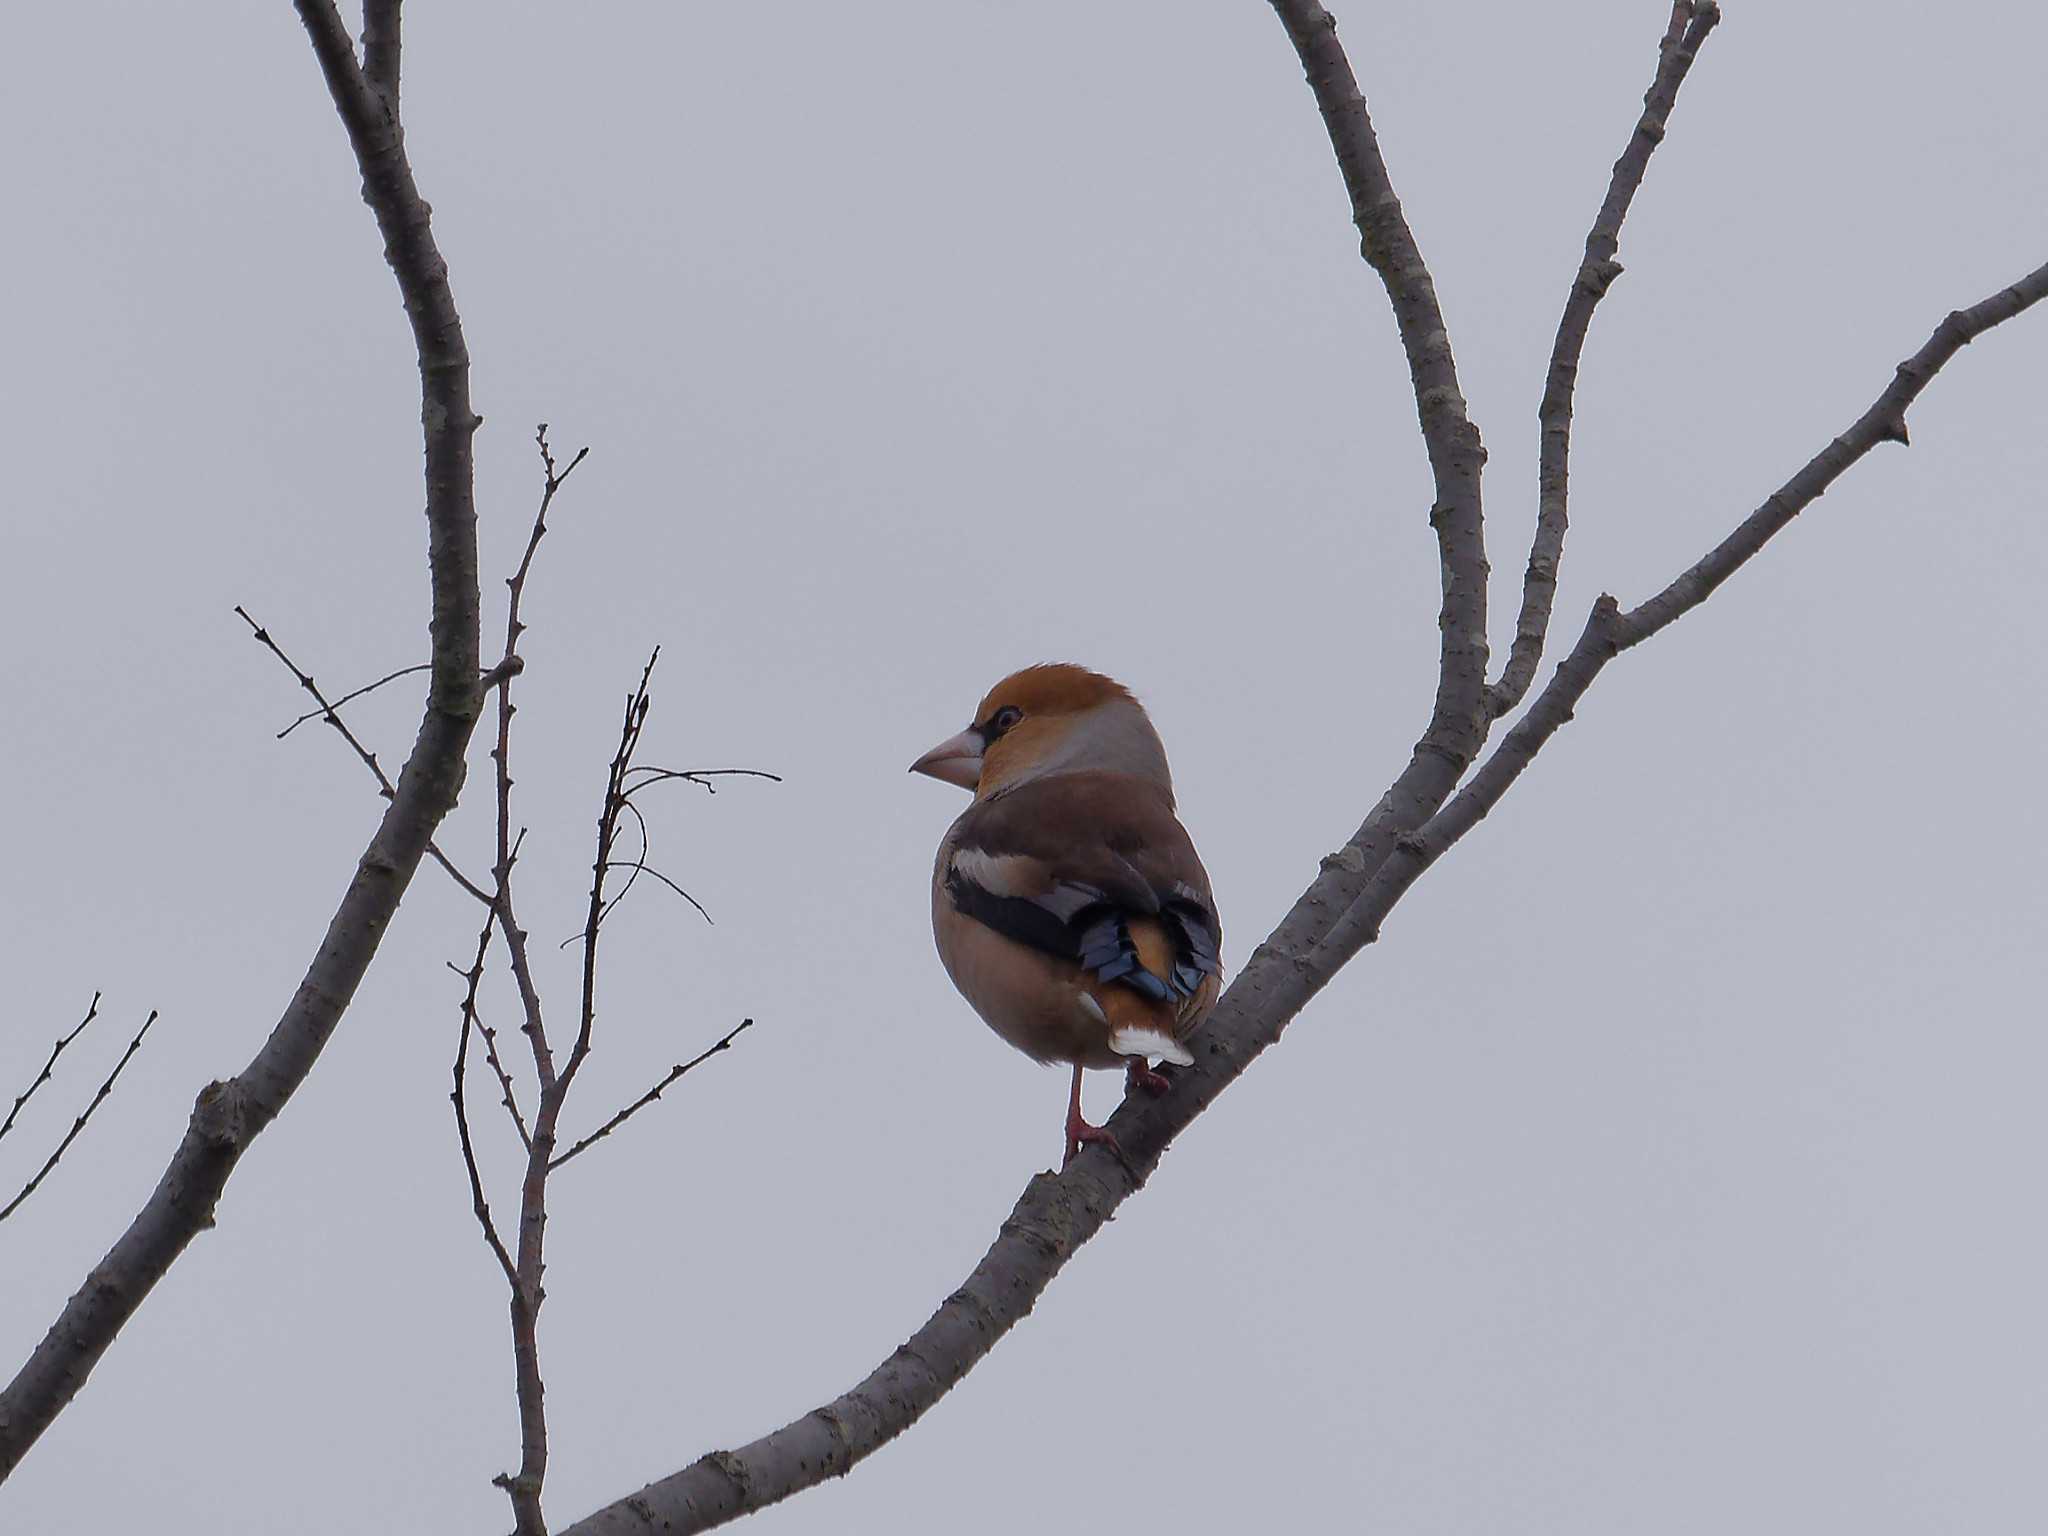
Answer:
x=1142 y=1076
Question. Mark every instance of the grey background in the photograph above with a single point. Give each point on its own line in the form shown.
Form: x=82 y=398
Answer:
x=1675 y=1163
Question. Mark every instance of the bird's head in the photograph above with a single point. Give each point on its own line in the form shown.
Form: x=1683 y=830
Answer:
x=1047 y=719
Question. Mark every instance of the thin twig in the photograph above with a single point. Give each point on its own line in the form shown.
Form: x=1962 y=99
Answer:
x=651 y=1095
x=43 y=1076
x=701 y=777
x=1691 y=22
x=640 y=866
x=630 y=729
x=479 y=1202
x=326 y=711
x=490 y=1038
x=534 y=1025
x=635 y=868
x=497 y=1065
x=78 y=1125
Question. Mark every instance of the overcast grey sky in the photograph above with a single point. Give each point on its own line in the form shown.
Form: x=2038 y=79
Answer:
x=1676 y=1161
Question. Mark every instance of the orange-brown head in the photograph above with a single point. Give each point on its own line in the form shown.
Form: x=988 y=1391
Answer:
x=1051 y=718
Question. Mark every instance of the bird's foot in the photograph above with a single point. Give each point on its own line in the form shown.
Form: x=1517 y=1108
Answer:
x=1081 y=1134
x=1138 y=1075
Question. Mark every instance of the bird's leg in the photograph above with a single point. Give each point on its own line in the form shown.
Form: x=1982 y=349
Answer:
x=1080 y=1132
x=1138 y=1075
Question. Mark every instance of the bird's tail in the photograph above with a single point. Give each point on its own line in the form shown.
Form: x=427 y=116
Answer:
x=1142 y=1040
x=1139 y=1026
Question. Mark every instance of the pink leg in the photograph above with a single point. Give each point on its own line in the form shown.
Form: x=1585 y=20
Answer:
x=1079 y=1132
x=1138 y=1075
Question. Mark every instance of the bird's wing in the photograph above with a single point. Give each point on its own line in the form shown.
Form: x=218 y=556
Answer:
x=1064 y=863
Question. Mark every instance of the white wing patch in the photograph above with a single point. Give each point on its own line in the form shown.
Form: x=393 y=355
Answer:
x=1001 y=874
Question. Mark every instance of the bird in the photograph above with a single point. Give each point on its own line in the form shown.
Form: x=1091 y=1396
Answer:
x=1069 y=905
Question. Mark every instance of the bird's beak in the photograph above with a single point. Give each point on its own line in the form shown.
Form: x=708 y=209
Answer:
x=957 y=760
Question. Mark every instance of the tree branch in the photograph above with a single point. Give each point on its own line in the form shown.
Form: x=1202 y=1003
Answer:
x=652 y=1094
x=327 y=711
x=380 y=52
x=1059 y=1212
x=42 y=1077
x=77 y=1125
x=229 y=1115
x=1691 y=21
x=330 y=713
x=1458 y=724
x=534 y=1025
x=480 y=1204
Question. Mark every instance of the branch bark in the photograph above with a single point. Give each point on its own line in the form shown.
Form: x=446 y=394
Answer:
x=1459 y=720
x=1341 y=910
x=1059 y=1212
x=229 y=1115
x=1691 y=22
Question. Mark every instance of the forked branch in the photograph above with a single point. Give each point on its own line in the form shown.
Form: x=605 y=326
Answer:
x=1691 y=21
x=1058 y=1213
x=229 y=1115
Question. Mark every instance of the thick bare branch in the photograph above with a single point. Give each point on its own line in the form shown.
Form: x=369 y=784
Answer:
x=1691 y=21
x=1458 y=724
x=381 y=51
x=653 y=1094
x=229 y=1115
x=1059 y=1212
x=78 y=1125
x=92 y=1012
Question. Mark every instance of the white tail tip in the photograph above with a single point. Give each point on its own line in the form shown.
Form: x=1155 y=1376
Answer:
x=1134 y=1040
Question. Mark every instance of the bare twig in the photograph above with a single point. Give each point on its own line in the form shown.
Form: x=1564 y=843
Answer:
x=652 y=1094
x=229 y=1115
x=635 y=868
x=1691 y=21
x=326 y=711
x=640 y=867
x=497 y=1064
x=630 y=729
x=78 y=1125
x=479 y=1202
x=534 y=1025
x=42 y=1077
x=701 y=777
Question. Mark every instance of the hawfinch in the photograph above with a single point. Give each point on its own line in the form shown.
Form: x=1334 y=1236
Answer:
x=1068 y=903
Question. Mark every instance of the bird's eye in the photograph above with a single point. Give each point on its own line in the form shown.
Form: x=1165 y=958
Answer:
x=1003 y=719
